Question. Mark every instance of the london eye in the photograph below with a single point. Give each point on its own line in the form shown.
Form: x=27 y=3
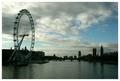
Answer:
x=16 y=36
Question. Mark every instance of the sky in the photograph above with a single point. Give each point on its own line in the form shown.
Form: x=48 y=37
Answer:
x=64 y=28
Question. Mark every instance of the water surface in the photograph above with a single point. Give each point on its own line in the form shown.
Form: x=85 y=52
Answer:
x=62 y=70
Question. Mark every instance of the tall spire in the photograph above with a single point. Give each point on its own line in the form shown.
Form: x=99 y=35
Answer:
x=94 y=52
x=101 y=51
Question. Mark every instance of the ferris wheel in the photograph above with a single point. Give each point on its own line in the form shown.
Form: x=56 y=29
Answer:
x=17 y=42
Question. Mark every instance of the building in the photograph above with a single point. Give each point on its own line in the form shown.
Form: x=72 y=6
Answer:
x=94 y=51
x=37 y=55
x=79 y=54
x=65 y=57
x=75 y=57
x=101 y=51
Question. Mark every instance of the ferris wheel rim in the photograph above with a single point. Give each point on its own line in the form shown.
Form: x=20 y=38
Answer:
x=16 y=26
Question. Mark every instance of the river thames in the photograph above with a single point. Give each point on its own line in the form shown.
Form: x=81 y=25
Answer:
x=62 y=70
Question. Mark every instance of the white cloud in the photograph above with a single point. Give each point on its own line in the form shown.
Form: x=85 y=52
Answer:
x=57 y=25
x=15 y=7
x=7 y=36
x=58 y=17
x=87 y=19
x=60 y=23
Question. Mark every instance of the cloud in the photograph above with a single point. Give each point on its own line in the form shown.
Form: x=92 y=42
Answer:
x=15 y=7
x=87 y=19
x=57 y=24
x=61 y=13
x=7 y=36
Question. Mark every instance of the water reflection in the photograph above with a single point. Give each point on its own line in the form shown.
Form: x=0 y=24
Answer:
x=15 y=72
x=95 y=69
x=22 y=72
x=102 y=70
x=62 y=70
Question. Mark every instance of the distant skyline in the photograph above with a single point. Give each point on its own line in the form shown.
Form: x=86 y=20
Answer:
x=64 y=28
